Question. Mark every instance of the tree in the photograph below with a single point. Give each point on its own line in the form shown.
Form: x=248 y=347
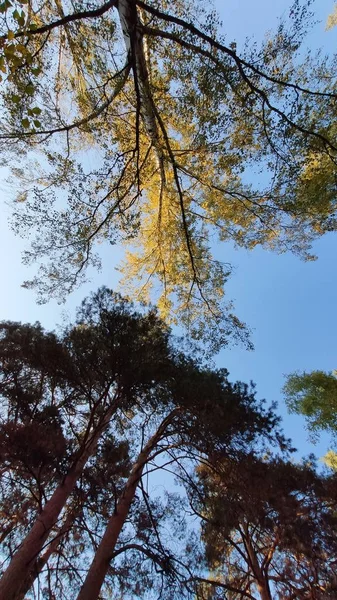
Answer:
x=189 y=137
x=76 y=382
x=313 y=395
x=77 y=409
x=268 y=528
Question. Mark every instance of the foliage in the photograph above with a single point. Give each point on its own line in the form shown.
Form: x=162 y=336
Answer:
x=86 y=415
x=332 y=19
x=157 y=131
x=330 y=459
x=268 y=528
x=314 y=395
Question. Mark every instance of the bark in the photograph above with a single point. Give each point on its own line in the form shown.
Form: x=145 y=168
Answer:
x=261 y=581
x=22 y=564
x=41 y=561
x=105 y=551
x=263 y=589
x=135 y=45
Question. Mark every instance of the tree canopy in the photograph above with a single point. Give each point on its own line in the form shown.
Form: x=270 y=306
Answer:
x=156 y=130
x=314 y=395
x=86 y=416
x=268 y=527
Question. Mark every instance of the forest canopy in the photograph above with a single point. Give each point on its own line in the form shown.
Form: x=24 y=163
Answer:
x=98 y=421
x=86 y=417
x=142 y=122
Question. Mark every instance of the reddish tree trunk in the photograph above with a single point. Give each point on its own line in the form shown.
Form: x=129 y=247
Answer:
x=263 y=589
x=261 y=581
x=22 y=564
x=41 y=561
x=100 y=564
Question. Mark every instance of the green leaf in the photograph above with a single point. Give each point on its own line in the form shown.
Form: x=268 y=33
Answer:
x=30 y=89
x=25 y=123
x=36 y=110
x=37 y=124
x=16 y=99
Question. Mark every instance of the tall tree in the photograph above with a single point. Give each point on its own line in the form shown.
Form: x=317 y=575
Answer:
x=314 y=395
x=76 y=411
x=59 y=396
x=157 y=131
x=268 y=529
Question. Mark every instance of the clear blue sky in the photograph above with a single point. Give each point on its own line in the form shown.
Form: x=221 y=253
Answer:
x=289 y=304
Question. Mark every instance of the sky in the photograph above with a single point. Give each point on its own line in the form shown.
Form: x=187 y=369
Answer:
x=290 y=305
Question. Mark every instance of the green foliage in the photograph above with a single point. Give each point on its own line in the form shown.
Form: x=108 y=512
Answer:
x=113 y=376
x=330 y=459
x=314 y=395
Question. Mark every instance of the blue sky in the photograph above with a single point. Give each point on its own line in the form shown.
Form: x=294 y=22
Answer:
x=289 y=304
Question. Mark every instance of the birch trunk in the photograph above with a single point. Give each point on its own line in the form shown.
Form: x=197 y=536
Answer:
x=134 y=42
x=100 y=564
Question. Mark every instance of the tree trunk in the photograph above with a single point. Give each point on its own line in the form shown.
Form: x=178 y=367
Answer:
x=135 y=45
x=263 y=589
x=41 y=561
x=18 y=572
x=261 y=581
x=100 y=564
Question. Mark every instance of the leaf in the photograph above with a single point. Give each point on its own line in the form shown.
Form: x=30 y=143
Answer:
x=30 y=89
x=9 y=50
x=10 y=35
x=25 y=123
x=36 y=110
x=37 y=124
x=21 y=48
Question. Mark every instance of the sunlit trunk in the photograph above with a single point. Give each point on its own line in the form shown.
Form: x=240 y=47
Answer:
x=261 y=581
x=135 y=46
x=41 y=561
x=100 y=564
x=22 y=565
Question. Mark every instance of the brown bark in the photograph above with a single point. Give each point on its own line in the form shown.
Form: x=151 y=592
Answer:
x=19 y=570
x=135 y=45
x=100 y=564
x=41 y=561
x=261 y=581
x=263 y=589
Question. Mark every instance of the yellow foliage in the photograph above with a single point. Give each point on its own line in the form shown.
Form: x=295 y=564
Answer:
x=330 y=459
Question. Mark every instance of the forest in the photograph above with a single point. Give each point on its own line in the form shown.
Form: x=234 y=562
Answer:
x=131 y=465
